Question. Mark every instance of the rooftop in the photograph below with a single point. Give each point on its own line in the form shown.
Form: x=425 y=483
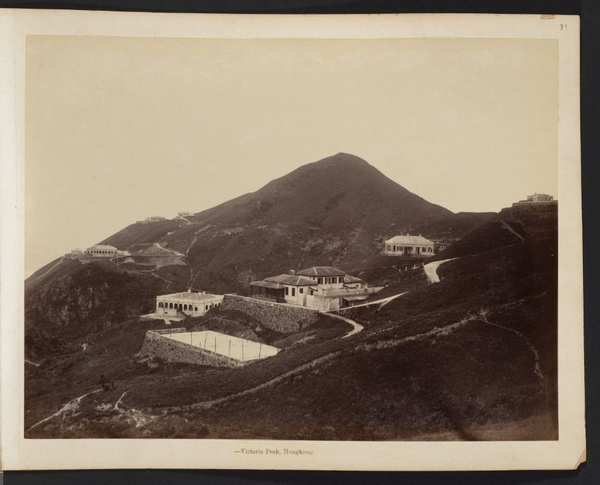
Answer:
x=321 y=271
x=185 y=295
x=408 y=239
x=289 y=279
x=267 y=284
x=103 y=247
x=352 y=279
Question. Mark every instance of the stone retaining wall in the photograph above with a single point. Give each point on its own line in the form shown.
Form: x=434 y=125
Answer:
x=170 y=330
x=157 y=345
x=276 y=316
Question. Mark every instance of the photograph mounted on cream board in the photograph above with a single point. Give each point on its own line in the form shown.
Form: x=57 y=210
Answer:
x=291 y=242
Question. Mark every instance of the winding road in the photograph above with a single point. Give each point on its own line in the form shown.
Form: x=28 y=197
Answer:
x=356 y=327
x=431 y=270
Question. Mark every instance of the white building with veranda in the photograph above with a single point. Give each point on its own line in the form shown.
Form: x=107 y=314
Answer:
x=409 y=246
x=537 y=199
x=323 y=288
x=186 y=304
x=102 y=251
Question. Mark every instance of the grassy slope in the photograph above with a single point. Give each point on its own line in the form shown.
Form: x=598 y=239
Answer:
x=85 y=300
x=386 y=382
x=397 y=379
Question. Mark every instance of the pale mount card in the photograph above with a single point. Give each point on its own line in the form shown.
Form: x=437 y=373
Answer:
x=290 y=242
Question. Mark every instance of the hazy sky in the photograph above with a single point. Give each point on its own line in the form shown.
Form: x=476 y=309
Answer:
x=119 y=129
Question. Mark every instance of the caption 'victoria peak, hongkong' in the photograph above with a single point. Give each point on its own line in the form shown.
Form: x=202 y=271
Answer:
x=331 y=304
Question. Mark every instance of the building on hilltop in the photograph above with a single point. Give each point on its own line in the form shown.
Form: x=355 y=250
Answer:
x=185 y=214
x=539 y=198
x=409 y=246
x=101 y=251
x=321 y=288
x=151 y=219
x=186 y=304
x=543 y=199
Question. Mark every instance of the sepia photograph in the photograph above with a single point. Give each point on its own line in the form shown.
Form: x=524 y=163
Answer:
x=300 y=240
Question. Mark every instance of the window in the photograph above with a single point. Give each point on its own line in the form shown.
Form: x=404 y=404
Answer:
x=287 y=290
x=301 y=290
x=196 y=308
x=293 y=291
x=320 y=280
x=160 y=304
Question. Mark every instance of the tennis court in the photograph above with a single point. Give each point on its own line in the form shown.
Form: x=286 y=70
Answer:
x=227 y=345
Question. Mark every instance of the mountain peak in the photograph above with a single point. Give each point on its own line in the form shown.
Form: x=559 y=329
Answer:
x=347 y=157
x=339 y=190
x=342 y=158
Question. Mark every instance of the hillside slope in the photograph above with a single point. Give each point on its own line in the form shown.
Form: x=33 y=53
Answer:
x=336 y=211
x=339 y=191
x=472 y=357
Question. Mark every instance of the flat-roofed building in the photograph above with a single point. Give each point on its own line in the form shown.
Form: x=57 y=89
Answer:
x=541 y=199
x=186 y=304
x=101 y=251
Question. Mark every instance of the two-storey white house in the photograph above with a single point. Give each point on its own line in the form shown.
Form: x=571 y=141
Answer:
x=322 y=288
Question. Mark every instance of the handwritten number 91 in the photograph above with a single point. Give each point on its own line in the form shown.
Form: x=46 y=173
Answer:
x=563 y=26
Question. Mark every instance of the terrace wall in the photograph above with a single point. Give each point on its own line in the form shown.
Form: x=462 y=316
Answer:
x=280 y=317
x=157 y=345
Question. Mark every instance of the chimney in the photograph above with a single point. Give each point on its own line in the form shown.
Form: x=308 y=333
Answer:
x=292 y=272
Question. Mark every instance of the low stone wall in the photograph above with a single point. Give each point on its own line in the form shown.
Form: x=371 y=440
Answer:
x=157 y=345
x=169 y=330
x=280 y=317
